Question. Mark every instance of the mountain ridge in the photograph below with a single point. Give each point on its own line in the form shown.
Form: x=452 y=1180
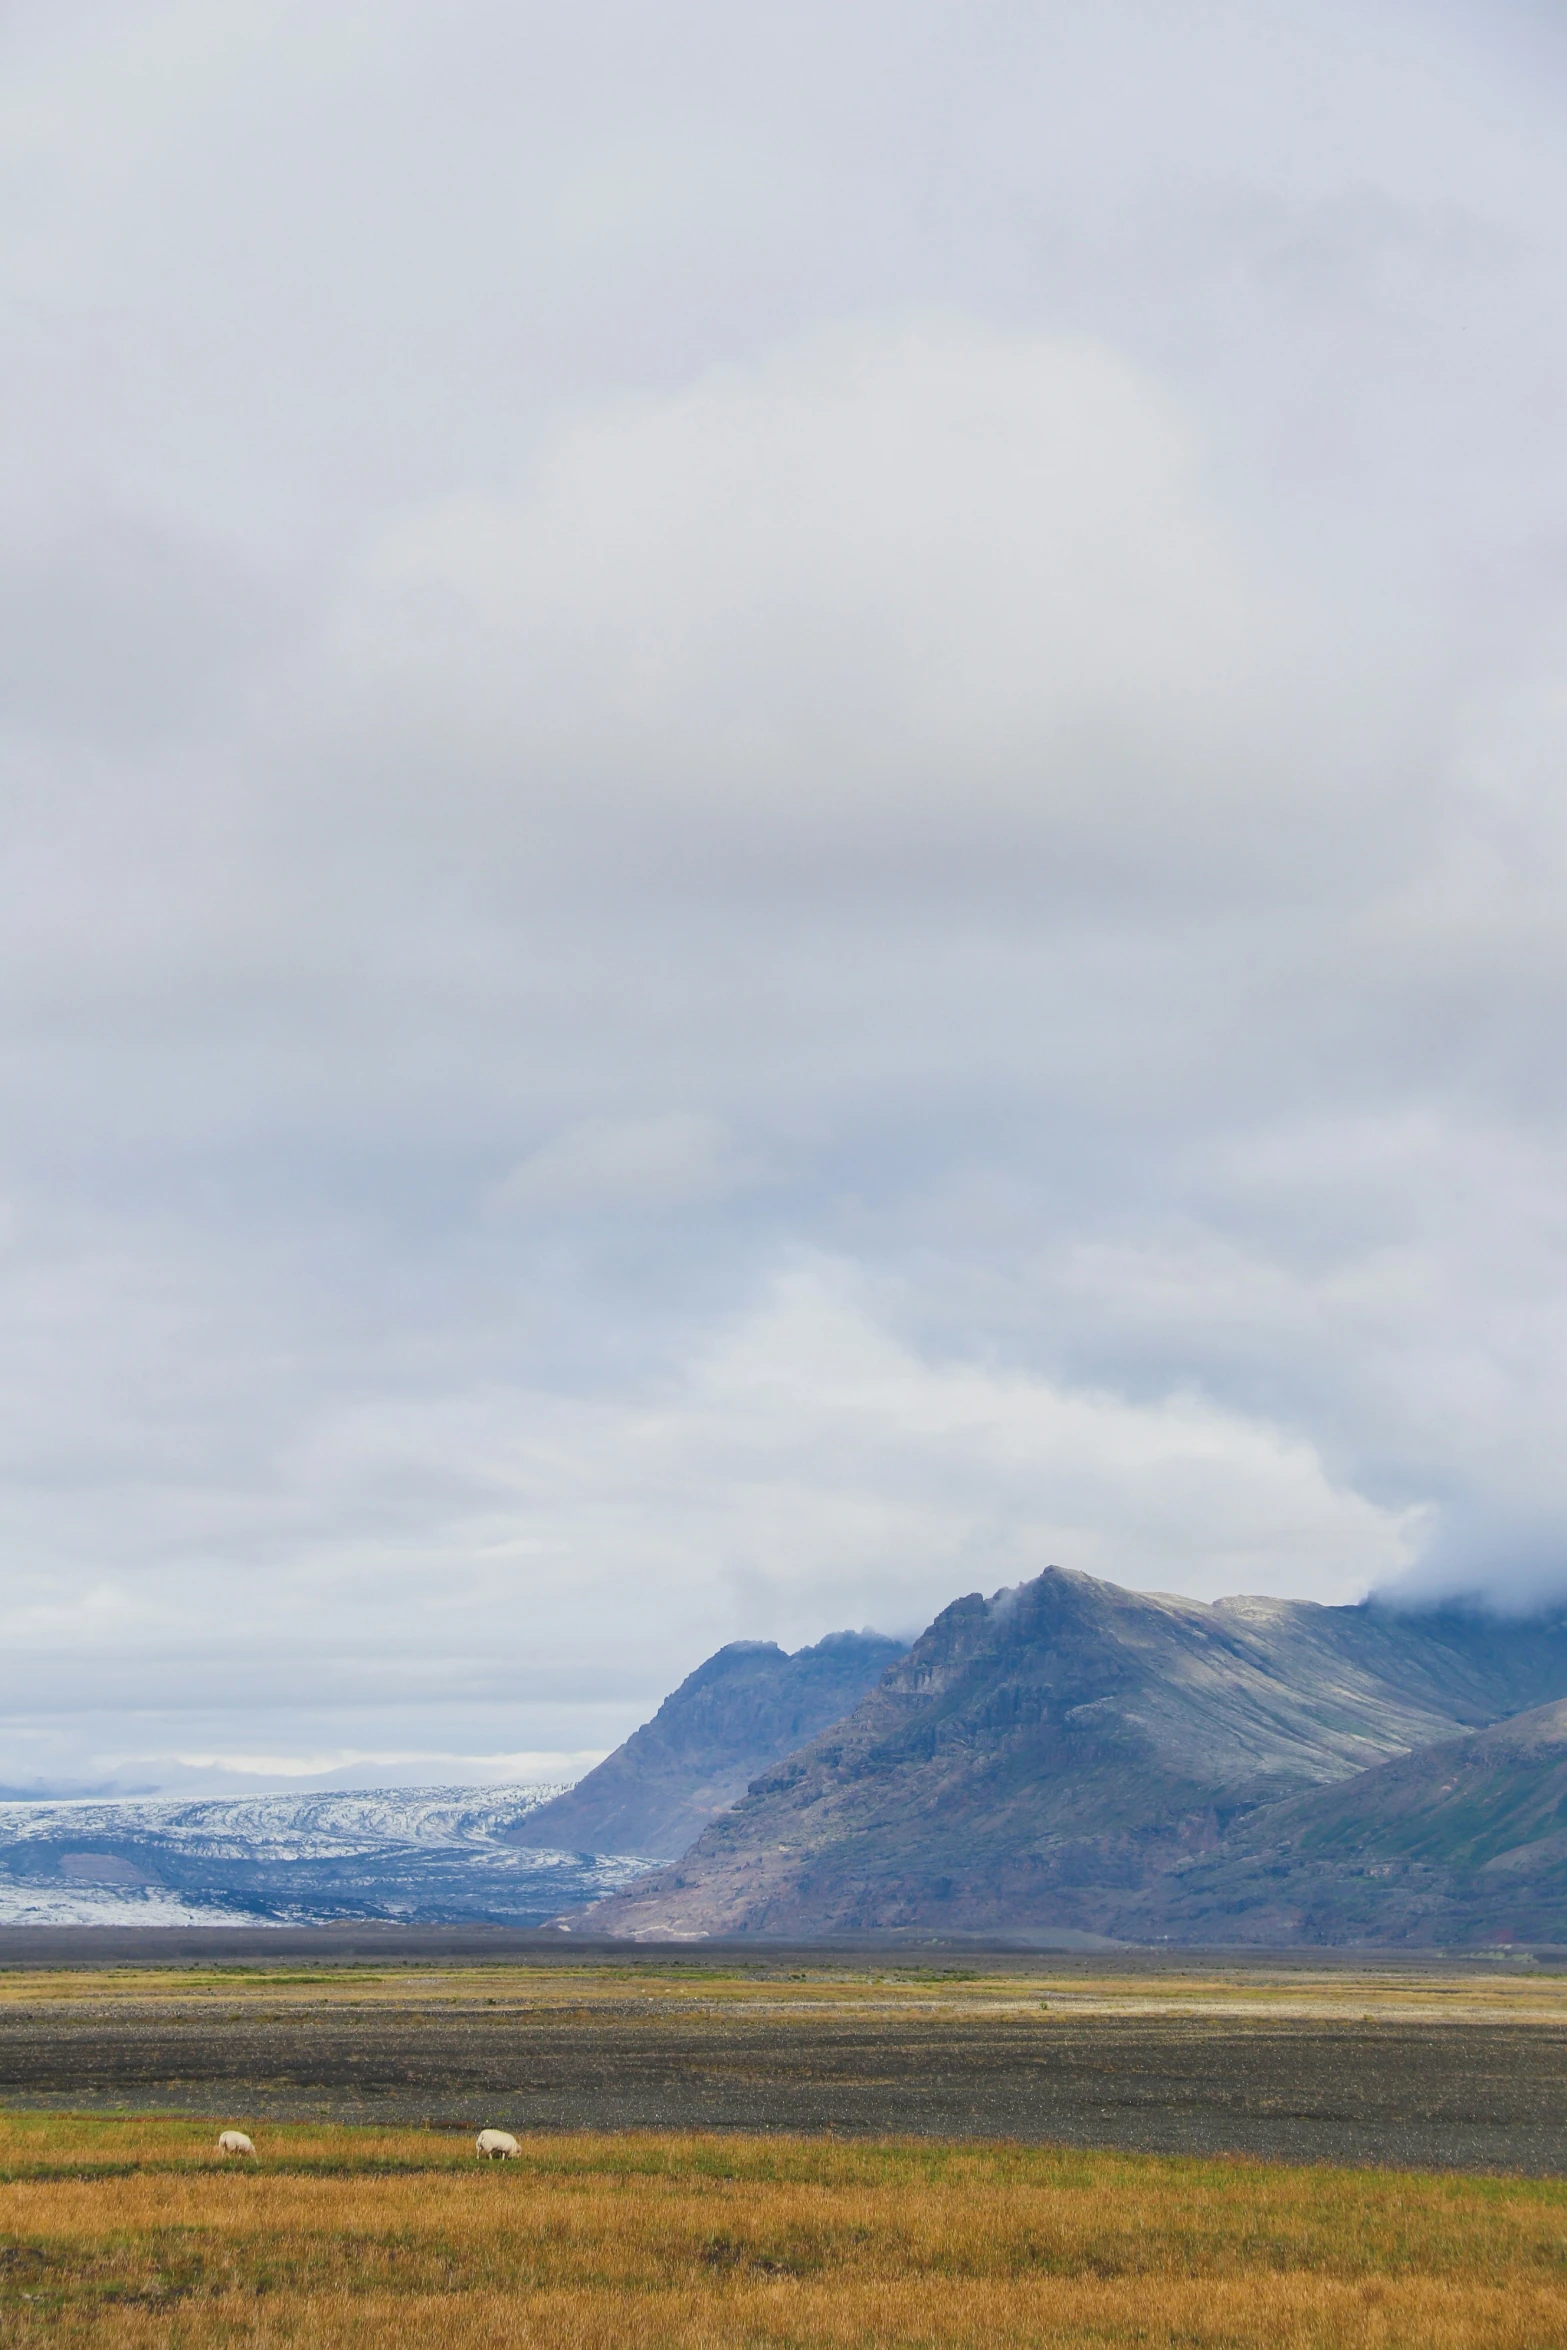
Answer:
x=1051 y=1755
x=1459 y=1842
x=740 y=1711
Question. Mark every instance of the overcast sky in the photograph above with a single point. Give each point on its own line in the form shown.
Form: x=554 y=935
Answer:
x=785 y=827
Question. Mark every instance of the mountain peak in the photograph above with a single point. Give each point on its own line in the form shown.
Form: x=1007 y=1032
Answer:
x=739 y=1712
x=1039 y=1756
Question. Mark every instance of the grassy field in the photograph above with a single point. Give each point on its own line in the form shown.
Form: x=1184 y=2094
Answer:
x=1504 y=1989
x=126 y=2232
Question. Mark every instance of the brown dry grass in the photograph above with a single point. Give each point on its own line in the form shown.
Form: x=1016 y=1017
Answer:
x=130 y=2234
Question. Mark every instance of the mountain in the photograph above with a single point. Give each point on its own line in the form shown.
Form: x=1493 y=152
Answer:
x=417 y=1855
x=1061 y=1753
x=736 y=1715
x=1461 y=1842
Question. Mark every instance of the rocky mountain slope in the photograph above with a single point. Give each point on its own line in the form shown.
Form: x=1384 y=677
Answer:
x=447 y=1854
x=743 y=1710
x=1461 y=1842
x=1065 y=1754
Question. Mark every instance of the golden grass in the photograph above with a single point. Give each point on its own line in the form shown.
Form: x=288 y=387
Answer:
x=130 y=2234
x=1504 y=1990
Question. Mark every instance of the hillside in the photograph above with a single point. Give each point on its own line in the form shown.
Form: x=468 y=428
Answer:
x=735 y=1716
x=1050 y=1755
x=1461 y=1842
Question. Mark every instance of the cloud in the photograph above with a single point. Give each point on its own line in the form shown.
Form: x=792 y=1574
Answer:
x=801 y=1470
x=782 y=826
x=676 y=1159
x=905 y=599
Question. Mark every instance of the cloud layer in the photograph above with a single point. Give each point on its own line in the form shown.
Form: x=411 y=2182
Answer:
x=782 y=829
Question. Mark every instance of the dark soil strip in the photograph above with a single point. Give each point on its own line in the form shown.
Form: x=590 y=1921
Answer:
x=1471 y=2096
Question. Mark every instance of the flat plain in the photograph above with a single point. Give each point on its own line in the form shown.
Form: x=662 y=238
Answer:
x=850 y=2150
x=1464 y=2067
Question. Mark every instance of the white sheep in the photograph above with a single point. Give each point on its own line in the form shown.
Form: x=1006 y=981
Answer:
x=496 y=2146
x=234 y=2142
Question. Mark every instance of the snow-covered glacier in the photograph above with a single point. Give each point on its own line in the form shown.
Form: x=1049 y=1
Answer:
x=425 y=1855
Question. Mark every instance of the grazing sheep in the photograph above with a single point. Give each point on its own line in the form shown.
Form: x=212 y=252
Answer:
x=496 y=2146
x=234 y=2142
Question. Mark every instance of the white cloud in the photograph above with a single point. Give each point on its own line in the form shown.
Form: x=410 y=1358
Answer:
x=909 y=596
x=347 y=1766
x=675 y=1159
x=831 y=1467
x=652 y=649
x=799 y=1471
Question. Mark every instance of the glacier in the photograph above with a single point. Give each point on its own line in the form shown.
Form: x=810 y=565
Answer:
x=413 y=1855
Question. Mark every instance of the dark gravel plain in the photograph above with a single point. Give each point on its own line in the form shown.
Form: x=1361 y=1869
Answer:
x=1466 y=2094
